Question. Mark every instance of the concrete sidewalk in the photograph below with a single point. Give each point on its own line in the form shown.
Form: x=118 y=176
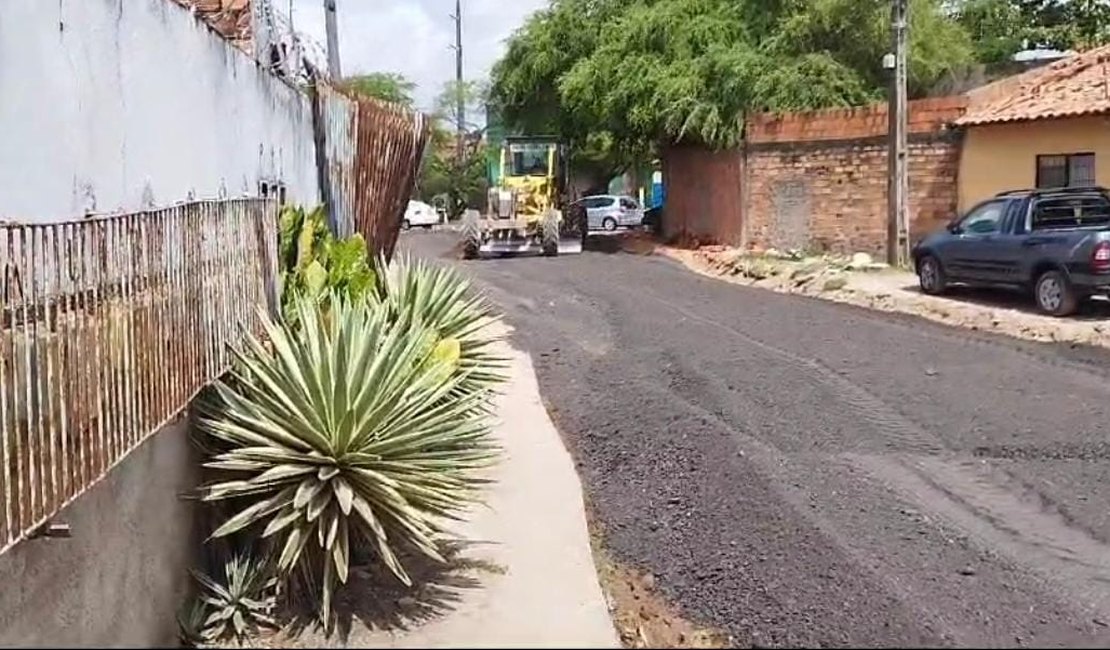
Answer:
x=526 y=577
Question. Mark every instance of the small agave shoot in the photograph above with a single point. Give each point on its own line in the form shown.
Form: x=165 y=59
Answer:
x=236 y=605
x=357 y=426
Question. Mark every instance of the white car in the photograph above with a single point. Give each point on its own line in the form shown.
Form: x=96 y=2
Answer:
x=607 y=212
x=420 y=214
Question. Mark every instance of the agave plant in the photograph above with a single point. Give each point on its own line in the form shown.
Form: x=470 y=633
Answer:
x=352 y=429
x=190 y=623
x=443 y=300
x=239 y=604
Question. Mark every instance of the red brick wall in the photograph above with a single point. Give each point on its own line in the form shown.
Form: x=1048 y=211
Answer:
x=815 y=181
x=925 y=116
x=703 y=194
x=833 y=198
x=818 y=181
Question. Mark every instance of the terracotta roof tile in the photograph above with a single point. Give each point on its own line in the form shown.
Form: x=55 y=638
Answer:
x=1076 y=85
x=230 y=18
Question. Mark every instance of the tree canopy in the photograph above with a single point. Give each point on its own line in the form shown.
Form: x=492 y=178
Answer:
x=615 y=76
x=628 y=74
x=1000 y=28
x=525 y=84
x=473 y=95
x=386 y=86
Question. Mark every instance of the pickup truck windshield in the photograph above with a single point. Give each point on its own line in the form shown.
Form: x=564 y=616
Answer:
x=1077 y=211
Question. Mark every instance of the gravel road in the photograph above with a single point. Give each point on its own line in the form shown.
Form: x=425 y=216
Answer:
x=802 y=473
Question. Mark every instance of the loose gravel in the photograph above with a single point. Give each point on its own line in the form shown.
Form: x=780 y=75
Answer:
x=803 y=473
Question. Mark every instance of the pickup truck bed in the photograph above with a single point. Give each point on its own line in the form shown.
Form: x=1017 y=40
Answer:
x=1055 y=243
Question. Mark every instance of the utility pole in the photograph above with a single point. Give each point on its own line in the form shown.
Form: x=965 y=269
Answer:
x=898 y=188
x=460 y=100
x=331 y=23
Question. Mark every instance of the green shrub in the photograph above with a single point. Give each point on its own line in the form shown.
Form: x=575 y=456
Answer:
x=365 y=425
x=316 y=265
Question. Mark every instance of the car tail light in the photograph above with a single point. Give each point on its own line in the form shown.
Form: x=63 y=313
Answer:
x=1100 y=256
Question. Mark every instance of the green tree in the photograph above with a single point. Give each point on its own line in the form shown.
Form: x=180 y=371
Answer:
x=636 y=73
x=460 y=186
x=473 y=94
x=997 y=28
x=386 y=86
x=525 y=87
x=1001 y=28
x=460 y=183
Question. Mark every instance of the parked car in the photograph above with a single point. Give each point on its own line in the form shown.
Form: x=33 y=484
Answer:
x=1055 y=243
x=608 y=212
x=421 y=214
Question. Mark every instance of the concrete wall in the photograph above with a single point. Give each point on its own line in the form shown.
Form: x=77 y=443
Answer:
x=999 y=157
x=117 y=104
x=120 y=578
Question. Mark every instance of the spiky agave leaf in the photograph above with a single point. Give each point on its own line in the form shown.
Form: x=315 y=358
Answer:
x=235 y=605
x=348 y=430
x=445 y=301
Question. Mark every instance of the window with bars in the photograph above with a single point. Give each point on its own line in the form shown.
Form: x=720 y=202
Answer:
x=1066 y=170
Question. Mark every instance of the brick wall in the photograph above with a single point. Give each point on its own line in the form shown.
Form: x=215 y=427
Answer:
x=818 y=180
x=703 y=194
x=833 y=197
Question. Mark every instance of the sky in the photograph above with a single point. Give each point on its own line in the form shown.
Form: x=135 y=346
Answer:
x=413 y=37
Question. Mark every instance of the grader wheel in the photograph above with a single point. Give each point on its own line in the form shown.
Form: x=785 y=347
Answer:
x=549 y=233
x=471 y=236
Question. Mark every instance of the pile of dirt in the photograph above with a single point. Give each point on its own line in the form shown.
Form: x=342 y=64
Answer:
x=790 y=272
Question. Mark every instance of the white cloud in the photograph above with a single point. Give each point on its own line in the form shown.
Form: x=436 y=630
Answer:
x=413 y=37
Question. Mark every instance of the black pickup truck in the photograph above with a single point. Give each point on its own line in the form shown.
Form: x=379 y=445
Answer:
x=1055 y=243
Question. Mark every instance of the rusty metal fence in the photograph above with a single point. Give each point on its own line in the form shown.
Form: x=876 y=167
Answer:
x=371 y=154
x=109 y=327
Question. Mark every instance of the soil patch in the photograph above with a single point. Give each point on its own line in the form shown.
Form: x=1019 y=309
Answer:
x=641 y=614
x=875 y=286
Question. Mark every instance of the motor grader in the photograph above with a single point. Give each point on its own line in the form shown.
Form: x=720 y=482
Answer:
x=528 y=208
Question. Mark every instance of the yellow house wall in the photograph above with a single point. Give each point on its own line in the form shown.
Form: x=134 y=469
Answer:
x=1000 y=157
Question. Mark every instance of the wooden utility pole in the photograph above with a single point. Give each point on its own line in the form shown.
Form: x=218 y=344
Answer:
x=460 y=100
x=331 y=24
x=898 y=239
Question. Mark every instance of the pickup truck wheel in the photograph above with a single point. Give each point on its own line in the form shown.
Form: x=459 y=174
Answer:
x=1055 y=294
x=931 y=276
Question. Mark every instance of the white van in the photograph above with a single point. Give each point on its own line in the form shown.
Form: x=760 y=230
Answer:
x=420 y=214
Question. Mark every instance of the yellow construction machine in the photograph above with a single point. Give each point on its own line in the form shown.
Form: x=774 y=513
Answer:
x=528 y=208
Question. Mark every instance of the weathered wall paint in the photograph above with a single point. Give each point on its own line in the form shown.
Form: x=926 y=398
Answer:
x=112 y=105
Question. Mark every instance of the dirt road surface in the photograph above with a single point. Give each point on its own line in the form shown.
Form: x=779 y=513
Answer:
x=797 y=472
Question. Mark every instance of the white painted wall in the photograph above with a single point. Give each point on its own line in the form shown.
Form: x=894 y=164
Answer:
x=107 y=105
